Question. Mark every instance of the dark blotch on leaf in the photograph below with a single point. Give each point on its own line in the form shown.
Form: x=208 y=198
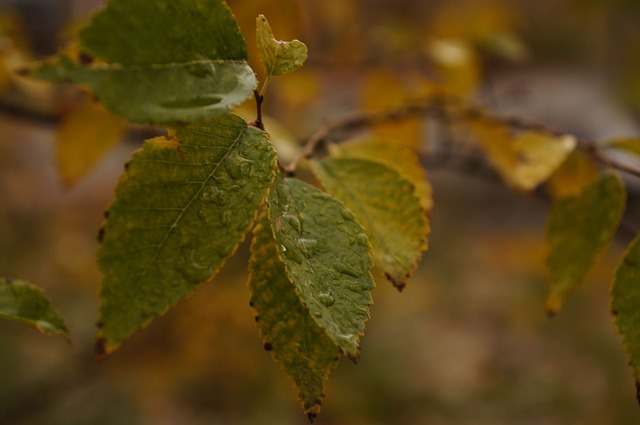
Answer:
x=85 y=58
x=268 y=346
x=101 y=235
x=257 y=319
x=100 y=352
x=251 y=304
x=312 y=416
x=106 y=214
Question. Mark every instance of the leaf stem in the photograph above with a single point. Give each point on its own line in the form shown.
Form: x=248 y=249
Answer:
x=259 y=100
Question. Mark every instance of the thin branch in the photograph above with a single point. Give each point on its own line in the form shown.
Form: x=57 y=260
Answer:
x=443 y=110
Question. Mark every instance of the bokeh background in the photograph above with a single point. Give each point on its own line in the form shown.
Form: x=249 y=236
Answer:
x=466 y=343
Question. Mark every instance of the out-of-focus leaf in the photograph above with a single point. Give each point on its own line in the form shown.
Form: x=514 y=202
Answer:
x=326 y=256
x=279 y=57
x=386 y=204
x=296 y=341
x=154 y=70
x=383 y=90
x=572 y=176
x=457 y=65
x=25 y=303
x=403 y=159
x=579 y=229
x=631 y=145
x=85 y=135
x=526 y=160
x=625 y=299
x=181 y=208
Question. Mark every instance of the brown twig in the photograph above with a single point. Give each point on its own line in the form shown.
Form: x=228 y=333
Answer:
x=440 y=109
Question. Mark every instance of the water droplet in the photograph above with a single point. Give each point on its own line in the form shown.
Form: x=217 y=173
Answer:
x=227 y=217
x=294 y=222
x=346 y=214
x=307 y=246
x=362 y=239
x=201 y=70
x=345 y=268
x=326 y=299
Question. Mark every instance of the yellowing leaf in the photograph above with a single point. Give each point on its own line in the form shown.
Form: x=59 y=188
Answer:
x=579 y=229
x=625 y=302
x=85 y=135
x=526 y=160
x=628 y=144
x=403 y=159
x=153 y=71
x=279 y=57
x=386 y=205
x=383 y=90
x=181 y=208
x=456 y=64
x=326 y=256
x=25 y=303
x=572 y=176
x=295 y=340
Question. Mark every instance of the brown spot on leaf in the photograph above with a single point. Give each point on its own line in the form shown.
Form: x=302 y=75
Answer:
x=22 y=71
x=311 y=416
x=100 y=350
x=268 y=346
x=106 y=214
x=354 y=358
x=85 y=58
x=257 y=319
x=101 y=235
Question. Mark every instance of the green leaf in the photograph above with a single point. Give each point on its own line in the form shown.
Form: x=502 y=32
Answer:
x=579 y=229
x=326 y=256
x=295 y=340
x=166 y=61
x=181 y=208
x=392 y=155
x=278 y=57
x=625 y=304
x=25 y=303
x=385 y=203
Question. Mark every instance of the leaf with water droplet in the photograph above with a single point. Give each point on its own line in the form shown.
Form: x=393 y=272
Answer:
x=625 y=299
x=161 y=234
x=298 y=343
x=25 y=303
x=154 y=71
x=579 y=229
x=385 y=203
x=314 y=271
x=279 y=57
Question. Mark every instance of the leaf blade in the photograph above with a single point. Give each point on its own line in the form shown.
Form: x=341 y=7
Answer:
x=158 y=70
x=278 y=57
x=335 y=285
x=158 y=240
x=579 y=229
x=303 y=349
x=25 y=303
x=625 y=298
x=385 y=203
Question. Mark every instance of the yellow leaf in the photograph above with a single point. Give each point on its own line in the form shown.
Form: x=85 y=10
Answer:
x=383 y=90
x=525 y=160
x=85 y=136
x=457 y=65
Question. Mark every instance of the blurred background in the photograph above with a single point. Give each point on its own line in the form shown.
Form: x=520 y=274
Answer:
x=466 y=343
